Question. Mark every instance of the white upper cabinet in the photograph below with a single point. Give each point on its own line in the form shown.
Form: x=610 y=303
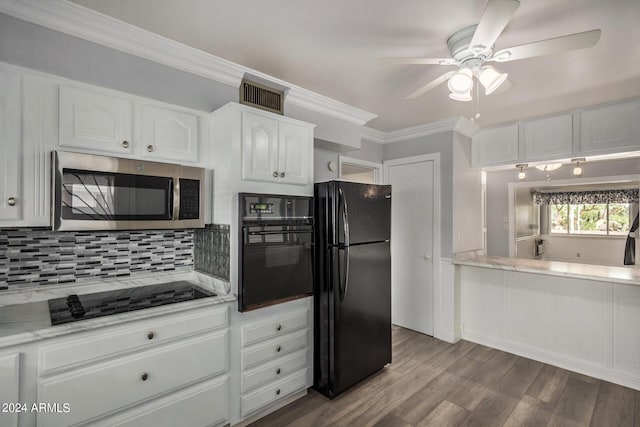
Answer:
x=95 y=121
x=495 y=146
x=259 y=147
x=295 y=148
x=168 y=134
x=610 y=128
x=546 y=138
x=10 y=141
x=276 y=150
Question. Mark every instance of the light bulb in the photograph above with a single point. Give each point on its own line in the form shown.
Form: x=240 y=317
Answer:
x=461 y=82
x=491 y=79
x=521 y=175
x=577 y=171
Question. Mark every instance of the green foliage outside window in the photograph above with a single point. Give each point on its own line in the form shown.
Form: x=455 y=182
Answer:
x=599 y=219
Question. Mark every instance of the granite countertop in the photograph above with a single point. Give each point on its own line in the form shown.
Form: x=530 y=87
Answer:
x=602 y=273
x=24 y=314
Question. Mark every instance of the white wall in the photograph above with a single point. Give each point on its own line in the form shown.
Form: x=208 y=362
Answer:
x=498 y=199
x=369 y=151
x=467 y=198
x=585 y=249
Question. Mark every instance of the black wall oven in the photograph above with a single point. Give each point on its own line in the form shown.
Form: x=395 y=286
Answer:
x=276 y=249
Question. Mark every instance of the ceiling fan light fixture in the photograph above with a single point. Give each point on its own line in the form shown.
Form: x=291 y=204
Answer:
x=461 y=82
x=465 y=97
x=491 y=79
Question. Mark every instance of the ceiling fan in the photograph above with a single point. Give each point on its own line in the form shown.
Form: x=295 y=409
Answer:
x=472 y=46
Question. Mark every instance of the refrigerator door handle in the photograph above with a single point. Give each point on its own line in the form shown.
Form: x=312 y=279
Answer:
x=345 y=215
x=343 y=289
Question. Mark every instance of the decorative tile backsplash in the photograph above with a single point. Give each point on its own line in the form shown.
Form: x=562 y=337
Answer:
x=31 y=256
x=211 y=250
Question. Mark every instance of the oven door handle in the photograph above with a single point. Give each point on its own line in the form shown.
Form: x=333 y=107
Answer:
x=263 y=233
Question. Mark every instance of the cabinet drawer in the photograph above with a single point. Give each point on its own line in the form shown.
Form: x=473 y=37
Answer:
x=109 y=386
x=266 y=395
x=272 y=371
x=272 y=349
x=89 y=346
x=262 y=331
x=201 y=405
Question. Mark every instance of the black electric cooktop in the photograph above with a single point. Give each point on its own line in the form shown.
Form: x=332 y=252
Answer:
x=89 y=306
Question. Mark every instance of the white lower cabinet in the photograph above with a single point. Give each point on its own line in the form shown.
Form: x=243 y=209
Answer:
x=9 y=389
x=275 y=357
x=171 y=370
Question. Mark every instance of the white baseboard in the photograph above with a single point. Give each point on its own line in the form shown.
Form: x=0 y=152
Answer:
x=560 y=361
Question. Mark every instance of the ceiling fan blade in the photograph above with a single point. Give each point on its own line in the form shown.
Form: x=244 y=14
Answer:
x=496 y=16
x=418 y=61
x=426 y=88
x=548 y=47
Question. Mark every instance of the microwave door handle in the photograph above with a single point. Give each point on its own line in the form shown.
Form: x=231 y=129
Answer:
x=262 y=233
x=175 y=182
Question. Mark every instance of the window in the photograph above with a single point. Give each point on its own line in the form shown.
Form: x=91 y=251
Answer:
x=612 y=219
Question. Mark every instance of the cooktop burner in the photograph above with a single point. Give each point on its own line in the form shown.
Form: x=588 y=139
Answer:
x=88 y=306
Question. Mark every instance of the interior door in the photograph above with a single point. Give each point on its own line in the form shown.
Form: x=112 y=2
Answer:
x=412 y=245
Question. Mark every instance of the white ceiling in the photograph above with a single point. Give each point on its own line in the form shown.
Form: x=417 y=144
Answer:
x=332 y=47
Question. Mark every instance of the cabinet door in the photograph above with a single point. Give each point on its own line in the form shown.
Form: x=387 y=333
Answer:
x=10 y=171
x=9 y=378
x=495 y=146
x=169 y=135
x=548 y=138
x=610 y=128
x=95 y=121
x=259 y=147
x=295 y=150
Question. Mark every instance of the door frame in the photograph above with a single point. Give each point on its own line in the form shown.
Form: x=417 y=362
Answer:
x=376 y=167
x=435 y=256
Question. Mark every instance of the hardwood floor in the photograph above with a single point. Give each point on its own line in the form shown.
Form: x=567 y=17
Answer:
x=433 y=383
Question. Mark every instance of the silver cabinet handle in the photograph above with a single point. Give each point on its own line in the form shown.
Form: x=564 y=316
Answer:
x=278 y=392
x=151 y=335
x=279 y=328
x=278 y=348
x=125 y=144
x=281 y=174
x=144 y=376
x=150 y=148
x=11 y=201
x=275 y=174
x=278 y=371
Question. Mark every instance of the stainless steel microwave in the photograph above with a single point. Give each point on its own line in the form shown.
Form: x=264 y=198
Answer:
x=109 y=193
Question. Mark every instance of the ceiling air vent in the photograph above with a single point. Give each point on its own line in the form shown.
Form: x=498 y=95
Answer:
x=259 y=96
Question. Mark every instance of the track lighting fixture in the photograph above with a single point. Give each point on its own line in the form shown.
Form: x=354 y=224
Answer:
x=521 y=174
x=577 y=171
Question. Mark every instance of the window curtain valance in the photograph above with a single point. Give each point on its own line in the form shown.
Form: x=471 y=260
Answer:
x=586 y=197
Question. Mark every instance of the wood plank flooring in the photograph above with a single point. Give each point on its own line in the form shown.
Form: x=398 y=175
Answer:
x=433 y=383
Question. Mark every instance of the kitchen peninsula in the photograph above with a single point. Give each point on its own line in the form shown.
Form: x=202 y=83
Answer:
x=576 y=316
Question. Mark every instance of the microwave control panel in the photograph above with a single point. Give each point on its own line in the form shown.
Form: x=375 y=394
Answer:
x=189 y=199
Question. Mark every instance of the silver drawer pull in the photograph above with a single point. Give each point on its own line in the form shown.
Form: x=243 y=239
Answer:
x=278 y=348
x=281 y=174
x=144 y=376
x=278 y=371
x=150 y=148
x=278 y=391
x=11 y=201
x=125 y=144
x=151 y=335
x=279 y=328
x=275 y=174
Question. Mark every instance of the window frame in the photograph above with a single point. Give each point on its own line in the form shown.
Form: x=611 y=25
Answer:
x=568 y=232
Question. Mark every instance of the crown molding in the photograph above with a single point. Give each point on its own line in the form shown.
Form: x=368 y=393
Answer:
x=461 y=125
x=87 y=24
x=374 y=135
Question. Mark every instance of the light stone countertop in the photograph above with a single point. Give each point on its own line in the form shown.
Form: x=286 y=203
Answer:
x=24 y=314
x=601 y=273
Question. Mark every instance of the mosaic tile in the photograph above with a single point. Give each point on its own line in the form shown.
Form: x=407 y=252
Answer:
x=40 y=256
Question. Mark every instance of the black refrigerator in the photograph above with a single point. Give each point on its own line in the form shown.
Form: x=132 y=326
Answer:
x=352 y=283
